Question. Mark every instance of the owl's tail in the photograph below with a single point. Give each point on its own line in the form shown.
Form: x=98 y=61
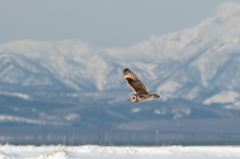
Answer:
x=155 y=96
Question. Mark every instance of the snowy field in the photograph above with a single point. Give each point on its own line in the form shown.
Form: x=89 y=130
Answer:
x=110 y=152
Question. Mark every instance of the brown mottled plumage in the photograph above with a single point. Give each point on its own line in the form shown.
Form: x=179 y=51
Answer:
x=138 y=87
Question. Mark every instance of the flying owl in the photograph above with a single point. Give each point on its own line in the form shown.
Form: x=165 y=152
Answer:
x=138 y=87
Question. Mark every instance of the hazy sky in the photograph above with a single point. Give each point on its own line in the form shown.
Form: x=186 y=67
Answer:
x=103 y=23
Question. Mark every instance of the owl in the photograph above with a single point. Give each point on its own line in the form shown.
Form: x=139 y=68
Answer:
x=138 y=87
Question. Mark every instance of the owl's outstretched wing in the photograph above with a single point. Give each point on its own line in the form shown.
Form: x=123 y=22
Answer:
x=134 y=82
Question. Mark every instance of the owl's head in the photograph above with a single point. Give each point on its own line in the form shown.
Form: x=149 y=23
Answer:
x=133 y=98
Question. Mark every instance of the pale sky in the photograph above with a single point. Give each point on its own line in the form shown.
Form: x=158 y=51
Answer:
x=102 y=23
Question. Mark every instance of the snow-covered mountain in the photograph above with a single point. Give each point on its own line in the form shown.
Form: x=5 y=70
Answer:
x=201 y=63
x=198 y=63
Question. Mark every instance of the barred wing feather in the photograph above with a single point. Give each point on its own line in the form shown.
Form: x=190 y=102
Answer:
x=134 y=82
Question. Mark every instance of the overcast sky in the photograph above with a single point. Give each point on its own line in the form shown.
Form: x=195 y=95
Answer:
x=103 y=23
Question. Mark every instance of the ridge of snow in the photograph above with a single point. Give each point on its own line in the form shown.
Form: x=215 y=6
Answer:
x=118 y=152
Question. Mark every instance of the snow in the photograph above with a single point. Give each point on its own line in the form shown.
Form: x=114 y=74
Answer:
x=20 y=95
x=18 y=119
x=223 y=97
x=166 y=90
x=121 y=152
x=162 y=111
x=235 y=105
x=135 y=110
x=7 y=118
